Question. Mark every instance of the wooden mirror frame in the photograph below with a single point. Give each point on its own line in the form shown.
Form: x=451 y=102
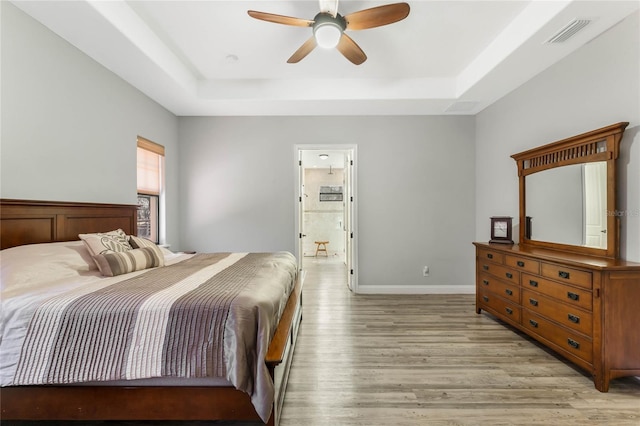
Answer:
x=598 y=145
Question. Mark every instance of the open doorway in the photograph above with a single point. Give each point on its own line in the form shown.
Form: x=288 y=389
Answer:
x=326 y=224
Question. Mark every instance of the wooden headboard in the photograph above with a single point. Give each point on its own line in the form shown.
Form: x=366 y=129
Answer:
x=30 y=222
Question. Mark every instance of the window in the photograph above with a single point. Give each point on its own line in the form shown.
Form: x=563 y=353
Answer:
x=150 y=188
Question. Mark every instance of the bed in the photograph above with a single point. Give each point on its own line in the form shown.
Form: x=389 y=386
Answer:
x=239 y=376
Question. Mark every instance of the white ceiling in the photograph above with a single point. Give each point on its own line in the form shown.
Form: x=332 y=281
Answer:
x=211 y=58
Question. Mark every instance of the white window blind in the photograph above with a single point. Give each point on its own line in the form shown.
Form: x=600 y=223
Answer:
x=150 y=164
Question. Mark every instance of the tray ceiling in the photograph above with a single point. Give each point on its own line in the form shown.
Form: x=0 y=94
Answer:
x=211 y=58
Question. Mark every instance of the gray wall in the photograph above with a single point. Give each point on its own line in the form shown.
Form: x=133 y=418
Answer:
x=595 y=86
x=415 y=190
x=69 y=128
x=69 y=125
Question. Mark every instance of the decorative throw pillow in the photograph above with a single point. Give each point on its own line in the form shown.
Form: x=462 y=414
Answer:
x=118 y=263
x=106 y=242
x=139 y=242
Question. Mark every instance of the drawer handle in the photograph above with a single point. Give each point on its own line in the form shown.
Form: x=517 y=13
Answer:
x=509 y=275
x=489 y=255
x=533 y=283
x=485 y=298
x=509 y=311
x=485 y=267
x=563 y=274
x=509 y=292
x=534 y=302
x=573 y=296
x=533 y=323
x=573 y=343
x=574 y=318
x=520 y=263
x=485 y=282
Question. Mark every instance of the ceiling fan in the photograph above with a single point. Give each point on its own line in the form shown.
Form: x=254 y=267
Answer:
x=329 y=27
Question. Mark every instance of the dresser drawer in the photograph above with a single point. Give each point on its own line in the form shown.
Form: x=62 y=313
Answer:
x=506 y=310
x=569 y=316
x=567 y=275
x=572 y=342
x=523 y=264
x=508 y=291
x=499 y=271
x=570 y=295
x=490 y=255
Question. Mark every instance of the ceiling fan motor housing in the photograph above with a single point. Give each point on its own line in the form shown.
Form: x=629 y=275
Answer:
x=324 y=18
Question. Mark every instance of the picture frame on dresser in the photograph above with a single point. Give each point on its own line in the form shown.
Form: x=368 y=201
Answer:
x=576 y=298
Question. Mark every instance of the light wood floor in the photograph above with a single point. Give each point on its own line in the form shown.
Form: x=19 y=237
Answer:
x=371 y=360
x=431 y=360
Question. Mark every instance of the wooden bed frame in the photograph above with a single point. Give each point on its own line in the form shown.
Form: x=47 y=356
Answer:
x=28 y=222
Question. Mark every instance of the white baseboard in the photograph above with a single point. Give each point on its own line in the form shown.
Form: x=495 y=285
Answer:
x=416 y=289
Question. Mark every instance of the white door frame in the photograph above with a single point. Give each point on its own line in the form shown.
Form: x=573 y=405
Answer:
x=351 y=203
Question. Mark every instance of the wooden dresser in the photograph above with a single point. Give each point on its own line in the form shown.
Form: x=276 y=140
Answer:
x=585 y=308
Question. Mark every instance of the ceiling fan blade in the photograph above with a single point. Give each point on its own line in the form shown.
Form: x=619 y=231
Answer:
x=280 y=19
x=303 y=51
x=377 y=16
x=351 y=50
x=329 y=6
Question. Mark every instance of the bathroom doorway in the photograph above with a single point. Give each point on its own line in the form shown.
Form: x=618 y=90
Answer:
x=326 y=224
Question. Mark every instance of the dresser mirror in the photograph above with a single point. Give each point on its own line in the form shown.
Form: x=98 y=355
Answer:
x=568 y=193
x=568 y=205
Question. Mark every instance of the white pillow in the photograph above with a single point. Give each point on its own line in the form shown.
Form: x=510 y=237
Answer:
x=44 y=262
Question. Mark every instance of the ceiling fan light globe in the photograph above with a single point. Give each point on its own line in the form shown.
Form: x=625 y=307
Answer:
x=327 y=35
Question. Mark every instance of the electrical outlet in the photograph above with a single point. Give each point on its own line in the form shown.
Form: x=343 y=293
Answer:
x=425 y=271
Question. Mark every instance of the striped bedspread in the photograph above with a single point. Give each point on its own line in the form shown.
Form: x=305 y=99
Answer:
x=209 y=316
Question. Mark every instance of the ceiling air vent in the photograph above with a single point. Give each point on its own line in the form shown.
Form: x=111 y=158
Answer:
x=569 y=30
